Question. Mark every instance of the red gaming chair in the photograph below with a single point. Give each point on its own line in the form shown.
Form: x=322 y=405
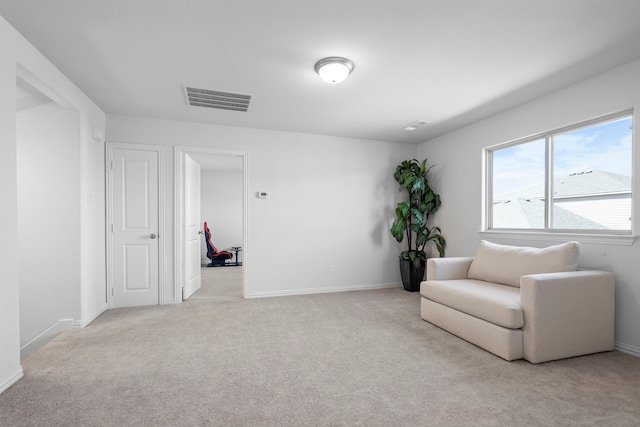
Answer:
x=218 y=258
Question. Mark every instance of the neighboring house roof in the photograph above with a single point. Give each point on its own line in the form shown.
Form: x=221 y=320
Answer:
x=529 y=214
x=594 y=182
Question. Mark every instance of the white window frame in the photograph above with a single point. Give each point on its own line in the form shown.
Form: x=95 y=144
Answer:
x=619 y=237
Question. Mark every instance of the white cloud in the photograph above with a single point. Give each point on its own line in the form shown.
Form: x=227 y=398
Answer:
x=605 y=147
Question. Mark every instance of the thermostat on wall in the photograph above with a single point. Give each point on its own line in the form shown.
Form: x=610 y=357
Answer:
x=263 y=195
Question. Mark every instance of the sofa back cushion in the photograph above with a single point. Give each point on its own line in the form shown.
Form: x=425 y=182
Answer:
x=506 y=264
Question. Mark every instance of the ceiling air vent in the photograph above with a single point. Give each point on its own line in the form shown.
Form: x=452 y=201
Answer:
x=216 y=99
x=415 y=125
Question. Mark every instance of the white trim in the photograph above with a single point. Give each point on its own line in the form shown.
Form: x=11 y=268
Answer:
x=603 y=239
x=291 y=292
x=11 y=379
x=161 y=223
x=629 y=349
x=26 y=75
x=85 y=322
x=108 y=159
x=109 y=147
x=47 y=335
x=246 y=247
x=179 y=151
x=178 y=202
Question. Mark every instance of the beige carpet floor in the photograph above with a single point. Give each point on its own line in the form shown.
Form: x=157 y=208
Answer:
x=220 y=282
x=344 y=359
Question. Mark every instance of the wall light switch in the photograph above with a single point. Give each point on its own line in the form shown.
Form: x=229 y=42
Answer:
x=263 y=195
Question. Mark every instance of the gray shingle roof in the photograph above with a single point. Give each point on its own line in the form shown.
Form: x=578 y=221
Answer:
x=577 y=184
x=529 y=214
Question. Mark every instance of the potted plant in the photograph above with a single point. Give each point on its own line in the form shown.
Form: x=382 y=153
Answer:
x=412 y=221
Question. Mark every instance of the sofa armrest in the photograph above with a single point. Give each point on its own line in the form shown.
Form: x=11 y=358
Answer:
x=448 y=268
x=567 y=314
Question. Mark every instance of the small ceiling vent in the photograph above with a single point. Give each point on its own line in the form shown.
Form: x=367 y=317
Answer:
x=415 y=125
x=216 y=99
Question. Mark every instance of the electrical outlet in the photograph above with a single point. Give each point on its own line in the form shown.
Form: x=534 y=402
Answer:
x=332 y=269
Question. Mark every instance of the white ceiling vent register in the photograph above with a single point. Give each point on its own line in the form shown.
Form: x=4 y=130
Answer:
x=216 y=99
x=415 y=125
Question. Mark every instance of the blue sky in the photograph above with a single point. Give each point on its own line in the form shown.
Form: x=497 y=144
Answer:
x=605 y=147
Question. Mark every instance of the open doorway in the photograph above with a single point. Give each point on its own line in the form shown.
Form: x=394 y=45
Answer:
x=222 y=186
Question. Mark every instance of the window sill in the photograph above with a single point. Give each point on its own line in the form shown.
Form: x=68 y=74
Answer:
x=603 y=239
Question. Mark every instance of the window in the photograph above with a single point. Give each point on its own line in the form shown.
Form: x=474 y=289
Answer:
x=575 y=179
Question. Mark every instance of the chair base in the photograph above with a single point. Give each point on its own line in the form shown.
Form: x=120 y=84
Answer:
x=223 y=263
x=217 y=263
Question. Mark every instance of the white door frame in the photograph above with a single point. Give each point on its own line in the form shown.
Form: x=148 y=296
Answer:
x=193 y=233
x=179 y=152
x=110 y=146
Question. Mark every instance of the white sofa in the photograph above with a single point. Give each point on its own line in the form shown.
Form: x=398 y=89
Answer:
x=521 y=302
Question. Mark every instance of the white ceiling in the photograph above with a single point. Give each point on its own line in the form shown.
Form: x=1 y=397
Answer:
x=450 y=62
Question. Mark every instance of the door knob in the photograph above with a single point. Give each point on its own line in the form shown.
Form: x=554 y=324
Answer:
x=153 y=236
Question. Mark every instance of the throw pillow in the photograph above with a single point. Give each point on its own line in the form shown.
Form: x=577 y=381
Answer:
x=506 y=264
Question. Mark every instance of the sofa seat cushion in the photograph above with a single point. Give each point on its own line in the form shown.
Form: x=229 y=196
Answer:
x=495 y=303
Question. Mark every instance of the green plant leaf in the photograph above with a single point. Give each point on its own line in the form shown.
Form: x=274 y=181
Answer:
x=403 y=209
x=397 y=230
x=418 y=184
x=418 y=216
x=414 y=227
x=429 y=196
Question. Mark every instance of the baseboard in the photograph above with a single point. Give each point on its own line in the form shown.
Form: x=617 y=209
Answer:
x=7 y=382
x=309 y=291
x=29 y=348
x=85 y=322
x=629 y=349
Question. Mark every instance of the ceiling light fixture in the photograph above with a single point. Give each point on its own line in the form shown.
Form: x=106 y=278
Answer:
x=334 y=69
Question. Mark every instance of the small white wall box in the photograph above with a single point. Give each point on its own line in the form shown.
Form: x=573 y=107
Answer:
x=263 y=195
x=97 y=134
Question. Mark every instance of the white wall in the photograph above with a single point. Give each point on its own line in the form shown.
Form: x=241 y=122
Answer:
x=221 y=207
x=10 y=369
x=48 y=233
x=16 y=52
x=331 y=203
x=458 y=176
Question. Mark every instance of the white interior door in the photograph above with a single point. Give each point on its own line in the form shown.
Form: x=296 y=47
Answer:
x=193 y=227
x=135 y=204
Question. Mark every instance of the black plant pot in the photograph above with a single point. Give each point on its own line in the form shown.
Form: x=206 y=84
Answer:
x=412 y=275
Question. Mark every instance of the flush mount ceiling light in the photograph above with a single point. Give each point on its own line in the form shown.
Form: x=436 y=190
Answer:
x=334 y=69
